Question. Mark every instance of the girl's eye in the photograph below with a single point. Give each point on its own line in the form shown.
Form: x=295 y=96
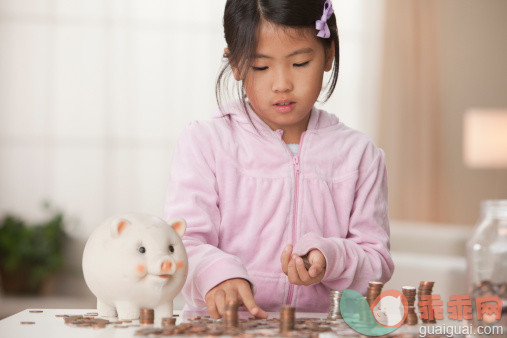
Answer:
x=260 y=68
x=171 y=248
x=301 y=64
x=142 y=249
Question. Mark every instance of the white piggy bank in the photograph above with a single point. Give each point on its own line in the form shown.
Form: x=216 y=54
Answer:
x=136 y=261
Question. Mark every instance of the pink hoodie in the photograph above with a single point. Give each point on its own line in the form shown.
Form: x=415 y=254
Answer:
x=245 y=197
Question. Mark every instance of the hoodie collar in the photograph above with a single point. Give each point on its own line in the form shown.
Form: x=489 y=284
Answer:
x=235 y=111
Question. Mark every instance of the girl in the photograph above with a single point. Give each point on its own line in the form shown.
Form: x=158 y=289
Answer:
x=271 y=179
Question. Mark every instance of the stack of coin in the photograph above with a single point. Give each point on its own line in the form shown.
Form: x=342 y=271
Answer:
x=146 y=316
x=231 y=318
x=168 y=322
x=485 y=288
x=374 y=290
x=334 y=306
x=502 y=290
x=425 y=289
x=410 y=292
x=287 y=318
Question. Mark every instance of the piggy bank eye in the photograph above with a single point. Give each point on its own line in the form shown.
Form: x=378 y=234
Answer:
x=171 y=248
x=141 y=249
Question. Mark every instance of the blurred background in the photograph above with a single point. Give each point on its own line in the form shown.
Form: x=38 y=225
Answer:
x=95 y=93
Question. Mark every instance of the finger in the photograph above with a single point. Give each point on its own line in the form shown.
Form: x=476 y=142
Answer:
x=302 y=273
x=249 y=302
x=220 y=302
x=211 y=307
x=315 y=270
x=232 y=296
x=316 y=257
x=285 y=258
x=292 y=273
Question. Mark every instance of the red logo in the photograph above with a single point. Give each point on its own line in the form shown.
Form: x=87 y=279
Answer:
x=390 y=308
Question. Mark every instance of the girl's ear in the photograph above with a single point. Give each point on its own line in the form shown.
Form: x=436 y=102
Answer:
x=235 y=70
x=329 y=57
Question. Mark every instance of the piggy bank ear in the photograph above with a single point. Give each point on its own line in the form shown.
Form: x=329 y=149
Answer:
x=179 y=226
x=117 y=226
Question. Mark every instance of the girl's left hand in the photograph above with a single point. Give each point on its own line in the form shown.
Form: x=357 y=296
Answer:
x=294 y=267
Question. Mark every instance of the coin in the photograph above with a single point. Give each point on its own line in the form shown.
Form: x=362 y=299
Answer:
x=287 y=318
x=373 y=291
x=334 y=307
x=82 y=321
x=168 y=321
x=146 y=316
x=410 y=293
x=411 y=318
x=426 y=289
x=230 y=317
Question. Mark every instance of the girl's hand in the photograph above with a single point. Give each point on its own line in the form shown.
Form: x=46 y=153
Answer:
x=237 y=290
x=294 y=267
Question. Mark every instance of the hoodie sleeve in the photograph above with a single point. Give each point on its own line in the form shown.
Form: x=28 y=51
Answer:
x=364 y=255
x=192 y=194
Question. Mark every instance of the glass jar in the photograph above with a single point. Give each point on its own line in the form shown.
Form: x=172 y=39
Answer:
x=487 y=258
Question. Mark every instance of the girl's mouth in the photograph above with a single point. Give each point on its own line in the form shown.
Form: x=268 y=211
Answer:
x=284 y=107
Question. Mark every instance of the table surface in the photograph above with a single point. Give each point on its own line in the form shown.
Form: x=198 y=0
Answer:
x=47 y=325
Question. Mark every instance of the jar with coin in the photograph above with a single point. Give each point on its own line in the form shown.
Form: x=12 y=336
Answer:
x=487 y=263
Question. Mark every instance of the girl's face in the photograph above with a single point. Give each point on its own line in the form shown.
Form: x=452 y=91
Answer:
x=288 y=69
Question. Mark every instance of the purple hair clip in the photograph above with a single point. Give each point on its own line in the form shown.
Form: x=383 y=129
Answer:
x=321 y=24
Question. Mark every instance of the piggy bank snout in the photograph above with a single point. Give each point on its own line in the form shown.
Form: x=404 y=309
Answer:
x=165 y=266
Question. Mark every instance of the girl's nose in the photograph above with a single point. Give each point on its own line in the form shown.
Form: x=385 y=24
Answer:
x=282 y=82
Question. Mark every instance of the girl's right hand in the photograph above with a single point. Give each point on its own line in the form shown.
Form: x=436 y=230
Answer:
x=237 y=290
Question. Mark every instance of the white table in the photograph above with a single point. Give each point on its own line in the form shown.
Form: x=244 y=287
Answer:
x=47 y=325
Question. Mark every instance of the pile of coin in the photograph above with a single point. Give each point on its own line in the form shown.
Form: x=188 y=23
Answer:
x=146 y=316
x=374 y=290
x=82 y=321
x=287 y=318
x=334 y=306
x=425 y=289
x=410 y=293
x=206 y=326
x=231 y=318
x=487 y=288
x=168 y=322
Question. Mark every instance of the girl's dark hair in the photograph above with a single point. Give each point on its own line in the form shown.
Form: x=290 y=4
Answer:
x=241 y=25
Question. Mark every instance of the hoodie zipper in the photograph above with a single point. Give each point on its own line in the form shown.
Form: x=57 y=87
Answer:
x=295 y=161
